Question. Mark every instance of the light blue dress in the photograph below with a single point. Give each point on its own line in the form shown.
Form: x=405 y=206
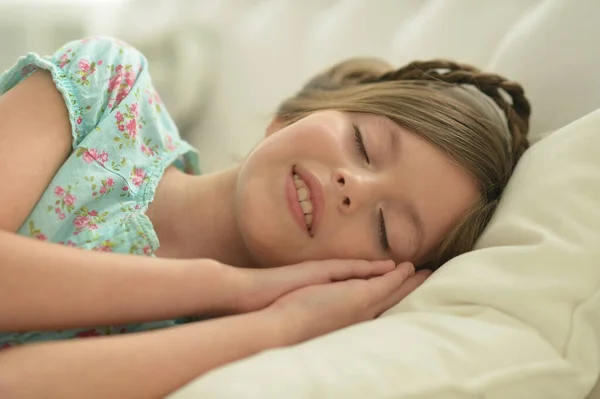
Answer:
x=123 y=140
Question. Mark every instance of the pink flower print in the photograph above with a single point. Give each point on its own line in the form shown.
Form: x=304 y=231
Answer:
x=103 y=190
x=103 y=248
x=121 y=128
x=69 y=243
x=70 y=199
x=134 y=109
x=153 y=97
x=125 y=188
x=147 y=150
x=122 y=81
x=58 y=190
x=121 y=96
x=88 y=219
x=114 y=81
x=100 y=62
x=27 y=69
x=84 y=65
x=81 y=222
x=138 y=176
x=119 y=116
x=89 y=155
x=147 y=250
x=88 y=333
x=79 y=120
x=170 y=145
x=110 y=182
x=129 y=78
x=150 y=97
x=103 y=157
x=132 y=128
x=64 y=60
x=41 y=237
x=65 y=202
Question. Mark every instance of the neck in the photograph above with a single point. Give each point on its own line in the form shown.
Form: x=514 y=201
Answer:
x=194 y=217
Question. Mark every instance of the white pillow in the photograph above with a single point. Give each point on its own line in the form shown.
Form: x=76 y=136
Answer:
x=517 y=318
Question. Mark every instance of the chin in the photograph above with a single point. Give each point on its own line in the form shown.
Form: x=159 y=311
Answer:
x=266 y=244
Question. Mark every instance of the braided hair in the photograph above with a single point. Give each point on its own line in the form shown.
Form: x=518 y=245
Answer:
x=517 y=112
x=479 y=120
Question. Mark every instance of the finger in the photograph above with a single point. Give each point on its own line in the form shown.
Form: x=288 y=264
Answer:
x=384 y=286
x=411 y=284
x=347 y=269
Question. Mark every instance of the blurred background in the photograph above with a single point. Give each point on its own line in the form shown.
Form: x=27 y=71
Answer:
x=223 y=66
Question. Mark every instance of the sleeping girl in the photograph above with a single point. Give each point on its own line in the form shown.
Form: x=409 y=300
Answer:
x=367 y=179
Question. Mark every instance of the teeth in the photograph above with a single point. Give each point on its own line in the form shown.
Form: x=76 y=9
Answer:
x=308 y=219
x=304 y=200
x=302 y=194
x=306 y=207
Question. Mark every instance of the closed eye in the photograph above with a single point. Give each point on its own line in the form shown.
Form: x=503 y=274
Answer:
x=360 y=144
x=383 y=238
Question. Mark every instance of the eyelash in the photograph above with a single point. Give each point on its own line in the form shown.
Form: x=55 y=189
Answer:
x=383 y=233
x=362 y=149
x=358 y=138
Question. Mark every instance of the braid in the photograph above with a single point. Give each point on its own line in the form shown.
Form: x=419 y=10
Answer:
x=517 y=111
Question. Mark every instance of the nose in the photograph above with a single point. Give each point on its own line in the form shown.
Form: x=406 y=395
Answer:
x=353 y=190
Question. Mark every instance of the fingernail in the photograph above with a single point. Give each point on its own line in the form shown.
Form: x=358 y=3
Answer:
x=413 y=271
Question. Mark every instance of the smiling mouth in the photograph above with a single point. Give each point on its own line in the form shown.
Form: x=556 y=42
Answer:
x=303 y=196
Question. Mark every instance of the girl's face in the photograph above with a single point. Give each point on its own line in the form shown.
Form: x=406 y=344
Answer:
x=348 y=186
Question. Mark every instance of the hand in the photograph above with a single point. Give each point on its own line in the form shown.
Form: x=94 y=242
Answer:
x=316 y=310
x=256 y=289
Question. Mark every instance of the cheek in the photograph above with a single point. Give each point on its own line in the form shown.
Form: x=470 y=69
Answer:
x=443 y=215
x=321 y=135
x=351 y=238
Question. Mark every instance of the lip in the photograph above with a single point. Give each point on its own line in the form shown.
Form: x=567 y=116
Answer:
x=316 y=196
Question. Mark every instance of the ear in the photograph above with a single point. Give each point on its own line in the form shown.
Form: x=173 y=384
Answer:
x=276 y=124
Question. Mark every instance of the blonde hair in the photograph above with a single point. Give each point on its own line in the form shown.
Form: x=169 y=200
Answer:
x=479 y=120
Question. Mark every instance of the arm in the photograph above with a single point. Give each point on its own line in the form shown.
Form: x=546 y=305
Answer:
x=95 y=288
x=35 y=140
x=90 y=288
x=86 y=289
x=153 y=364
x=144 y=365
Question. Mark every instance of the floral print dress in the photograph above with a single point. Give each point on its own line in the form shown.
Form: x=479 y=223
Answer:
x=123 y=139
